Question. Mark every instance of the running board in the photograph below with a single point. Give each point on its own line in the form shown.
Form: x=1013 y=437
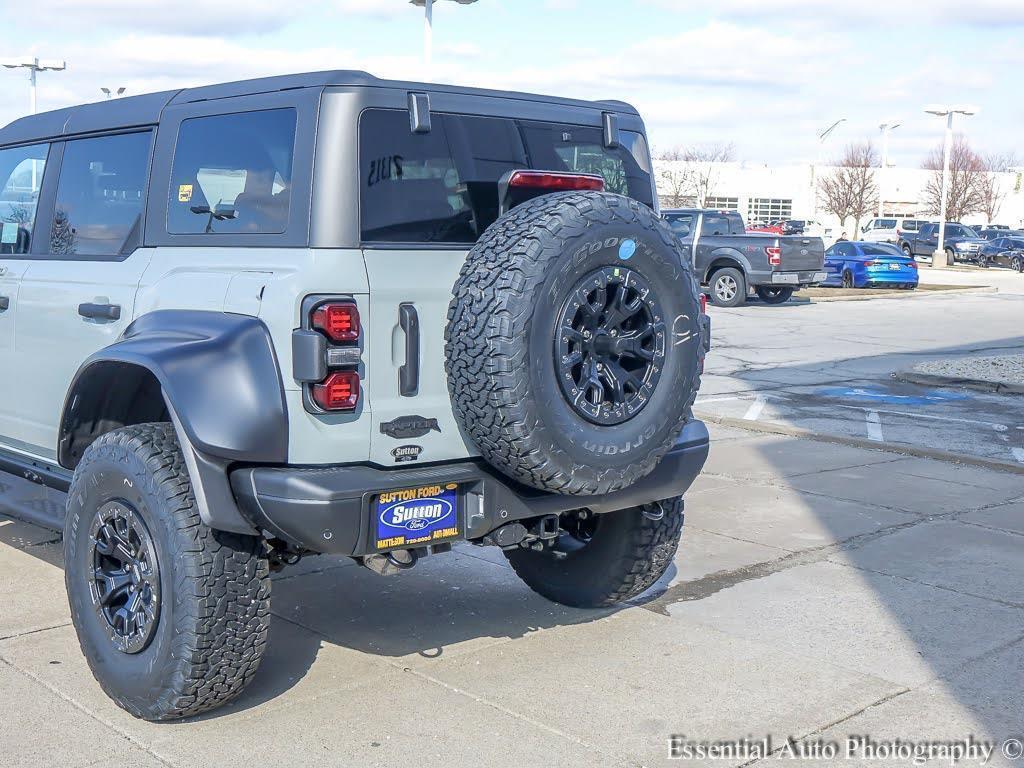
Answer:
x=32 y=493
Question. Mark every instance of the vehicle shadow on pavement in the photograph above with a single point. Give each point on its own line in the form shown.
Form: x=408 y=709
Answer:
x=901 y=568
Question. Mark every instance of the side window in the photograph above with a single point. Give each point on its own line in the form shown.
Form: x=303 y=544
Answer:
x=99 y=195
x=715 y=225
x=681 y=225
x=232 y=174
x=21 y=174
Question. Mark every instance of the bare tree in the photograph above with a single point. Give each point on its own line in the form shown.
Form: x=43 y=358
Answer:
x=707 y=169
x=990 y=190
x=849 y=189
x=676 y=177
x=968 y=177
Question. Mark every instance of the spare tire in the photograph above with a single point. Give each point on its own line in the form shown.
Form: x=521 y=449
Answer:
x=573 y=342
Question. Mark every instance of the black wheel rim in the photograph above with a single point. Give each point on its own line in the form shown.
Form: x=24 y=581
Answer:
x=610 y=348
x=847 y=280
x=124 y=576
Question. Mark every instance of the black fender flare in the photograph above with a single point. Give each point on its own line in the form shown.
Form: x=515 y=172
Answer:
x=221 y=384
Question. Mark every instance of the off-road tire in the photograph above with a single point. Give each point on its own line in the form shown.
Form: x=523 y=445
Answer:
x=774 y=295
x=214 y=612
x=503 y=328
x=628 y=552
x=728 y=273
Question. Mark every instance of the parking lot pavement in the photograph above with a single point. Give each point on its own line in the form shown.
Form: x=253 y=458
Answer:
x=820 y=590
x=828 y=368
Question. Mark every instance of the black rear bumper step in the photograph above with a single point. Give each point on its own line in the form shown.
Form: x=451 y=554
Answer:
x=325 y=509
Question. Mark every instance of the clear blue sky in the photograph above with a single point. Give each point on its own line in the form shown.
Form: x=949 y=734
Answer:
x=764 y=75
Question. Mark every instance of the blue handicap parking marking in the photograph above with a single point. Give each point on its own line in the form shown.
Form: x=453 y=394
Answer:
x=883 y=396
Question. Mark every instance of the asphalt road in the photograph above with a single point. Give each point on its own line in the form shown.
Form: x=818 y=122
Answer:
x=827 y=367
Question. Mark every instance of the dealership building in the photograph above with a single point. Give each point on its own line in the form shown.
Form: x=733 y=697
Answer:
x=764 y=193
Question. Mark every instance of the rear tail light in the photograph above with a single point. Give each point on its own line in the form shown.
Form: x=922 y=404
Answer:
x=338 y=321
x=912 y=264
x=774 y=255
x=556 y=182
x=338 y=392
x=871 y=263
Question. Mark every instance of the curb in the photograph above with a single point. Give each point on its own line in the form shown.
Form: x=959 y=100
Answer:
x=860 y=442
x=905 y=294
x=937 y=380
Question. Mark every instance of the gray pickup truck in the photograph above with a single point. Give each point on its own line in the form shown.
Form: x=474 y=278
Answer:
x=730 y=262
x=959 y=242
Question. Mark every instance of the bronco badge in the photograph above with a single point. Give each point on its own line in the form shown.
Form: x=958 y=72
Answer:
x=409 y=426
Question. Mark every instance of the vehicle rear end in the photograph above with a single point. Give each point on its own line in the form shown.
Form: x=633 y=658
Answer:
x=795 y=261
x=887 y=267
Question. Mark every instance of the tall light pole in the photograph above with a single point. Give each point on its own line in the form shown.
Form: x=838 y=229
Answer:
x=34 y=66
x=108 y=92
x=884 y=128
x=428 y=26
x=940 y=110
x=822 y=135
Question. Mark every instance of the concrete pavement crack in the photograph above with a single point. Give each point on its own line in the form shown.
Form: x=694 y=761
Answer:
x=34 y=631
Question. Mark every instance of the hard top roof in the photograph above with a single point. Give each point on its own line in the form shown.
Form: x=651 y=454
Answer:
x=133 y=111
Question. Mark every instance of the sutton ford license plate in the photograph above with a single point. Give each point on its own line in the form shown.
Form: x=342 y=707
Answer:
x=416 y=517
x=894 y=267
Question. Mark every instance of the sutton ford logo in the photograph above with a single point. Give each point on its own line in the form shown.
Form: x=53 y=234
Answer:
x=415 y=516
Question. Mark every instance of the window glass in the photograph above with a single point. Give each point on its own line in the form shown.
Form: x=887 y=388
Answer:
x=879 y=249
x=442 y=186
x=99 y=194
x=715 y=225
x=681 y=223
x=21 y=174
x=232 y=174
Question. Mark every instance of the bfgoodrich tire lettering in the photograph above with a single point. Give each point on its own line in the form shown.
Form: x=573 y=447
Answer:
x=214 y=607
x=503 y=351
x=620 y=555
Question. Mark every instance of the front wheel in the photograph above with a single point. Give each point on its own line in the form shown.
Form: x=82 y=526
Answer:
x=772 y=295
x=172 y=616
x=1017 y=263
x=907 y=250
x=600 y=560
x=728 y=288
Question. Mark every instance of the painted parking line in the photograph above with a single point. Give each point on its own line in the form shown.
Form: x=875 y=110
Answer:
x=993 y=425
x=874 y=425
x=754 y=411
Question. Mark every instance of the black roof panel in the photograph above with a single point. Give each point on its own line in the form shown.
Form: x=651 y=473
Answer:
x=132 y=111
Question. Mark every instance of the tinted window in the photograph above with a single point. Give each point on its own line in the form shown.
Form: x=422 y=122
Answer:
x=232 y=174
x=99 y=195
x=880 y=250
x=442 y=186
x=885 y=223
x=958 y=230
x=715 y=224
x=21 y=174
x=681 y=223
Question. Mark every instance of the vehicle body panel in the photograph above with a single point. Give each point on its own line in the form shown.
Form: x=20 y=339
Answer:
x=869 y=264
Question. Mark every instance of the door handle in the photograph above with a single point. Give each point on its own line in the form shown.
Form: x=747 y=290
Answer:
x=100 y=311
x=5 y=303
x=409 y=373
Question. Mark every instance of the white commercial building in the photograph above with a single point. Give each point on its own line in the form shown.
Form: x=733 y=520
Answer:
x=764 y=193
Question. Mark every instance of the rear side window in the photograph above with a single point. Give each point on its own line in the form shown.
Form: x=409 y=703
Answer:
x=681 y=223
x=21 y=174
x=232 y=174
x=99 y=195
x=442 y=186
x=715 y=225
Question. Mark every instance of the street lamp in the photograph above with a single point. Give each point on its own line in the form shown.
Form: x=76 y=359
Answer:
x=108 y=93
x=428 y=25
x=940 y=110
x=34 y=65
x=822 y=135
x=884 y=128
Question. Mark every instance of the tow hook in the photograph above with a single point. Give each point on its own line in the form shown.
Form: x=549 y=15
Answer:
x=653 y=511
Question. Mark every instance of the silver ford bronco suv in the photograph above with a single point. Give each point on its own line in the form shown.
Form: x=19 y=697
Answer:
x=332 y=314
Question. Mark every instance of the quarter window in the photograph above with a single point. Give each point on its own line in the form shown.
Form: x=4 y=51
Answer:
x=232 y=174
x=99 y=195
x=21 y=171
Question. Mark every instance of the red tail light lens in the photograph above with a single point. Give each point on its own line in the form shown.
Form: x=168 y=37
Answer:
x=338 y=392
x=338 y=321
x=774 y=255
x=871 y=263
x=912 y=264
x=556 y=182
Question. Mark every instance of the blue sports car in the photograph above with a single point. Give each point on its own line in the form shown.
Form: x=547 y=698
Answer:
x=869 y=265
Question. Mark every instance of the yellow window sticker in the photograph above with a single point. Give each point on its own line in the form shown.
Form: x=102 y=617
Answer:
x=184 y=193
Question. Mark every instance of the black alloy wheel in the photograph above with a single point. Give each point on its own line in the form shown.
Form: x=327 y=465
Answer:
x=848 y=280
x=124 y=576
x=610 y=348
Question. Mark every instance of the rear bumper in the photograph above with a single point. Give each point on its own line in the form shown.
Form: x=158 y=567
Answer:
x=796 y=279
x=326 y=509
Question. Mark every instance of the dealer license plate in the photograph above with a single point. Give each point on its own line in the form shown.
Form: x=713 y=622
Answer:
x=894 y=267
x=415 y=517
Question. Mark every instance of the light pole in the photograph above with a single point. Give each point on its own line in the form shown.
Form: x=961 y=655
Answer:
x=822 y=135
x=939 y=257
x=428 y=26
x=34 y=65
x=108 y=92
x=884 y=128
